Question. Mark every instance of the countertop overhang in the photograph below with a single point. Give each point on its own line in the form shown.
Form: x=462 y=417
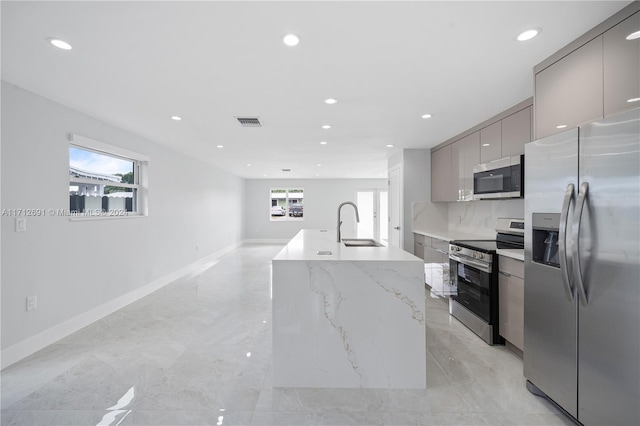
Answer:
x=309 y=242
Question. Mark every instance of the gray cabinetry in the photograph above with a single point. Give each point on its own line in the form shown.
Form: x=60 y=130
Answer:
x=491 y=142
x=418 y=245
x=511 y=300
x=516 y=132
x=621 y=66
x=569 y=92
x=435 y=253
x=467 y=152
x=443 y=185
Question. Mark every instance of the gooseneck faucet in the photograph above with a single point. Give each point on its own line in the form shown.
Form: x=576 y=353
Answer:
x=340 y=222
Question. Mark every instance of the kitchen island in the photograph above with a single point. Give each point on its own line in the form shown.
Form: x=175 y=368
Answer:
x=347 y=317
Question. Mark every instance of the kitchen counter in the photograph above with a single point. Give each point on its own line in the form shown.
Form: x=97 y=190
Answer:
x=517 y=254
x=354 y=318
x=453 y=235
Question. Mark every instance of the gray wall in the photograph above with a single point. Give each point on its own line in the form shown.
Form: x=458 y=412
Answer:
x=321 y=200
x=74 y=267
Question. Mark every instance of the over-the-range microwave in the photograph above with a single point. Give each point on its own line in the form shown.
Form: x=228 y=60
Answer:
x=503 y=178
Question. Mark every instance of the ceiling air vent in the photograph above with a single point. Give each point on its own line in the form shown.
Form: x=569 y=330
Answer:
x=249 y=121
x=286 y=170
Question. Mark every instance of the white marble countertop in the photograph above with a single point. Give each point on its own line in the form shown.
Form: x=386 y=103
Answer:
x=308 y=242
x=517 y=254
x=452 y=235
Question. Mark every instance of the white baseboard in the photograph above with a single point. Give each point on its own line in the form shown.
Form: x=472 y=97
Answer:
x=23 y=349
x=266 y=241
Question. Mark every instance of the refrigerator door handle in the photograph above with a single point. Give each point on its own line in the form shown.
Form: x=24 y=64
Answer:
x=562 y=246
x=577 y=223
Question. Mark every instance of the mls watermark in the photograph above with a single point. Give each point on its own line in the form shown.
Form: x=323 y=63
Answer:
x=63 y=212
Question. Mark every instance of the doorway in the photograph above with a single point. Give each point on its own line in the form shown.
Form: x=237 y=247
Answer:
x=373 y=206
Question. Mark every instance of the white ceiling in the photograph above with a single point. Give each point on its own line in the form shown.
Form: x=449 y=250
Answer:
x=134 y=64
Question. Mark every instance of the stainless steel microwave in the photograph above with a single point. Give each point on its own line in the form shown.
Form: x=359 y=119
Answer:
x=503 y=178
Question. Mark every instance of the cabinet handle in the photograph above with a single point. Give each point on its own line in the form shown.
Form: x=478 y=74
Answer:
x=504 y=273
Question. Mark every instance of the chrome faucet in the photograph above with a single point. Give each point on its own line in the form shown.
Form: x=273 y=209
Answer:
x=340 y=222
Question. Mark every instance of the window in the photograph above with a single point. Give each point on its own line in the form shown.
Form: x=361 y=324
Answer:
x=105 y=180
x=287 y=204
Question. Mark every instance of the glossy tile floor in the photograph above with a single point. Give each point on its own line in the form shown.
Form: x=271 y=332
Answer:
x=198 y=352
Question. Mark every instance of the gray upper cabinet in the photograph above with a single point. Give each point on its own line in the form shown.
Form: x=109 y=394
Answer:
x=621 y=66
x=569 y=92
x=443 y=186
x=516 y=132
x=491 y=142
x=468 y=156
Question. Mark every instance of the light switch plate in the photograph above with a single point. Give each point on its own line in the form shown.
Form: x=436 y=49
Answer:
x=21 y=224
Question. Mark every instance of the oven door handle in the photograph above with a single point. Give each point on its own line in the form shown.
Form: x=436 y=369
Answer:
x=484 y=267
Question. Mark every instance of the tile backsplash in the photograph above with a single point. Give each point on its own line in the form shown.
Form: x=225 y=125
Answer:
x=471 y=217
x=479 y=217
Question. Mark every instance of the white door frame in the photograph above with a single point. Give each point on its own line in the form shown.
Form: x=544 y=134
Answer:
x=395 y=229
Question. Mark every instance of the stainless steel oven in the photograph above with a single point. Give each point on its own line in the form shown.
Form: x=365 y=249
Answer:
x=473 y=271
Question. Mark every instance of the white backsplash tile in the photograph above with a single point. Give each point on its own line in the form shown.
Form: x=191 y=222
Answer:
x=470 y=217
x=479 y=217
x=430 y=217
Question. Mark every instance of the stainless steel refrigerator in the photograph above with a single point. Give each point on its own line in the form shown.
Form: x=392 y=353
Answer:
x=582 y=270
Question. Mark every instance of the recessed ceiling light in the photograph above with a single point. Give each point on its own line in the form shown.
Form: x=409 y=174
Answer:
x=248 y=165
x=319 y=165
x=425 y=116
x=633 y=36
x=60 y=44
x=291 y=40
x=176 y=117
x=389 y=145
x=529 y=34
x=561 y=126
x=330 y=101
x=486 y=144
x=633 y=100
x=323 y=143
x=219 y=146
x=326 y=126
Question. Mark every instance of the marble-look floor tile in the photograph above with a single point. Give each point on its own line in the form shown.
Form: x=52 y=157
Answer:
x=204 y=344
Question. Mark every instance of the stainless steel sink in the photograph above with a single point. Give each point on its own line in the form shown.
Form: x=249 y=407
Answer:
x=361 y=242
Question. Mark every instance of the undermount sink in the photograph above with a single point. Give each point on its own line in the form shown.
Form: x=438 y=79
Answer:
x=361 y=242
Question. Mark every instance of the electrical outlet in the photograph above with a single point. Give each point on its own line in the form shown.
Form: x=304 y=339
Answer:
x=32 y=303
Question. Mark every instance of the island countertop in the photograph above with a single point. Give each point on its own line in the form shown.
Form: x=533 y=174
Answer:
x=351 y=319
x=308 y=242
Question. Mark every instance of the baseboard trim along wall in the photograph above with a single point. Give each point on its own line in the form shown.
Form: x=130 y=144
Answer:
x=266 y=241
x=29 y=346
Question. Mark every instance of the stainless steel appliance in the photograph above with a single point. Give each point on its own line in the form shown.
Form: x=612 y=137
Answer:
x=474 y=274
x=582 y=270
x=501 y=178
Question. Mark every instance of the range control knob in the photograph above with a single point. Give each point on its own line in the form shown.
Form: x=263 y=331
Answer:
x=478 y=255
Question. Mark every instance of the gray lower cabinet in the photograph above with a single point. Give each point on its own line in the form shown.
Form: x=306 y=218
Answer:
x=435 y=253
x=569 y=92
x=511 y=305
x=419 y=241
x=621 y=66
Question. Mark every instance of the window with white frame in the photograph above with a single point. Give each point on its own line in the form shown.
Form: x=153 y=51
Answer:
x=105 y=180
x=287 y=204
